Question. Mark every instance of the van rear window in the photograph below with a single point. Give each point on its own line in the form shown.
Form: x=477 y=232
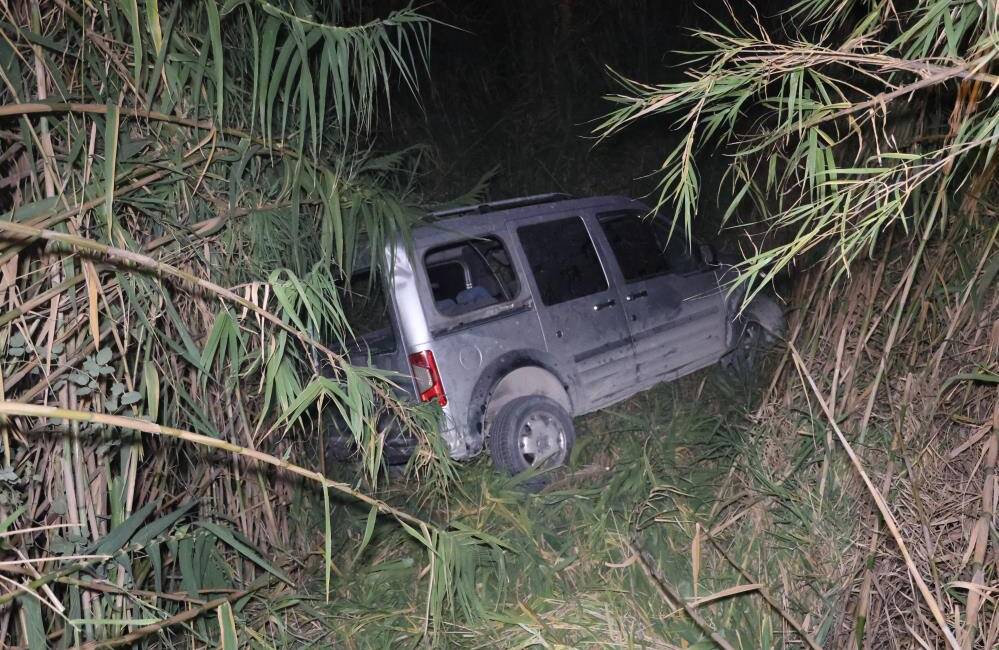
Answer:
x=470 y=274
x=447 y=279
x=366 y=309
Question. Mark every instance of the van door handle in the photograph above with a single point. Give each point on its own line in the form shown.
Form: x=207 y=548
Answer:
x=604 y=305
x=639 y=294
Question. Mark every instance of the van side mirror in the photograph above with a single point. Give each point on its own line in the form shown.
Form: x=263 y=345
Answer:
x=708 y=255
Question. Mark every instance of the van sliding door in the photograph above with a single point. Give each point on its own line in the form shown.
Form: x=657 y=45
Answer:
x=580 y=309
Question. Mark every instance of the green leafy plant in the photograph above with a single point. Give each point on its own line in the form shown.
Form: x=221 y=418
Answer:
x=826 y=149
x=190 y=190
x=861 y=140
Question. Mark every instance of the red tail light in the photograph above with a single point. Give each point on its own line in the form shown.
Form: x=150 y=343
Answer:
x=428 y=380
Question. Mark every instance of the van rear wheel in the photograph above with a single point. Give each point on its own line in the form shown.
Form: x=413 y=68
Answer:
x=531 y=432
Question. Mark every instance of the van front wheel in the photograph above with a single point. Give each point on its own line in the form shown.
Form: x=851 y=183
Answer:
x=532 y=432
x=744 y=360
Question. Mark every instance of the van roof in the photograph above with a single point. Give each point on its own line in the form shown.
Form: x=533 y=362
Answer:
x=479 y=217
x=475 y=219
x=504 y=204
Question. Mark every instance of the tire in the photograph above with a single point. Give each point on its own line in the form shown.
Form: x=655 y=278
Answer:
x=744 y=360
x=531 y=432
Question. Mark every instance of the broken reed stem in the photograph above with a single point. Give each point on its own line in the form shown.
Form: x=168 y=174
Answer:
x=958 y=316
x=43 y=580
x=107 y=587
x=886 y=514
x=186 y=615
x=980 y=534
x=674 y=599
x=45 y=108
x=46 y=220
x=9 y=408
x=160 y=268
x=144 y=261
x=202 y=228
x=910 y=276
x=867 y=584
x=765 y=593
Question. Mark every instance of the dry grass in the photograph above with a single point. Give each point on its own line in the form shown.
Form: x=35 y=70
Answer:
x=870 y=164
x=929 y=444
x=698 y=514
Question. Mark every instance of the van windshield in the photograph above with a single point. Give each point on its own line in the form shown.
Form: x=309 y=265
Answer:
x=367 y=313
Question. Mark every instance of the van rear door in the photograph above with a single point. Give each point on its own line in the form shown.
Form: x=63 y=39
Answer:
x=376 y=341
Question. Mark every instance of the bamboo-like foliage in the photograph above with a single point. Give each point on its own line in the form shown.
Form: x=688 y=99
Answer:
x=871 y=125
x=863 y=146
x=183 y=190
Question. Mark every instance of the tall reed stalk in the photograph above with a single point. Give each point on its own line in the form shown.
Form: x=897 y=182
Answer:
x=863 y=145
x=184 y=188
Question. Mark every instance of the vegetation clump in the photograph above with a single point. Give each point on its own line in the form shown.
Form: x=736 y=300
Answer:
x=186 y=186
x=185 y=189
x=863 y=152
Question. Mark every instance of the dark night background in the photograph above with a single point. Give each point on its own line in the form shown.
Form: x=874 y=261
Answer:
x=520 y=85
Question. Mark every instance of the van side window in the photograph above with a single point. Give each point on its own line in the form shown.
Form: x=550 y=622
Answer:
x=643 y=247
x=563 y=260
x=470 y=274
